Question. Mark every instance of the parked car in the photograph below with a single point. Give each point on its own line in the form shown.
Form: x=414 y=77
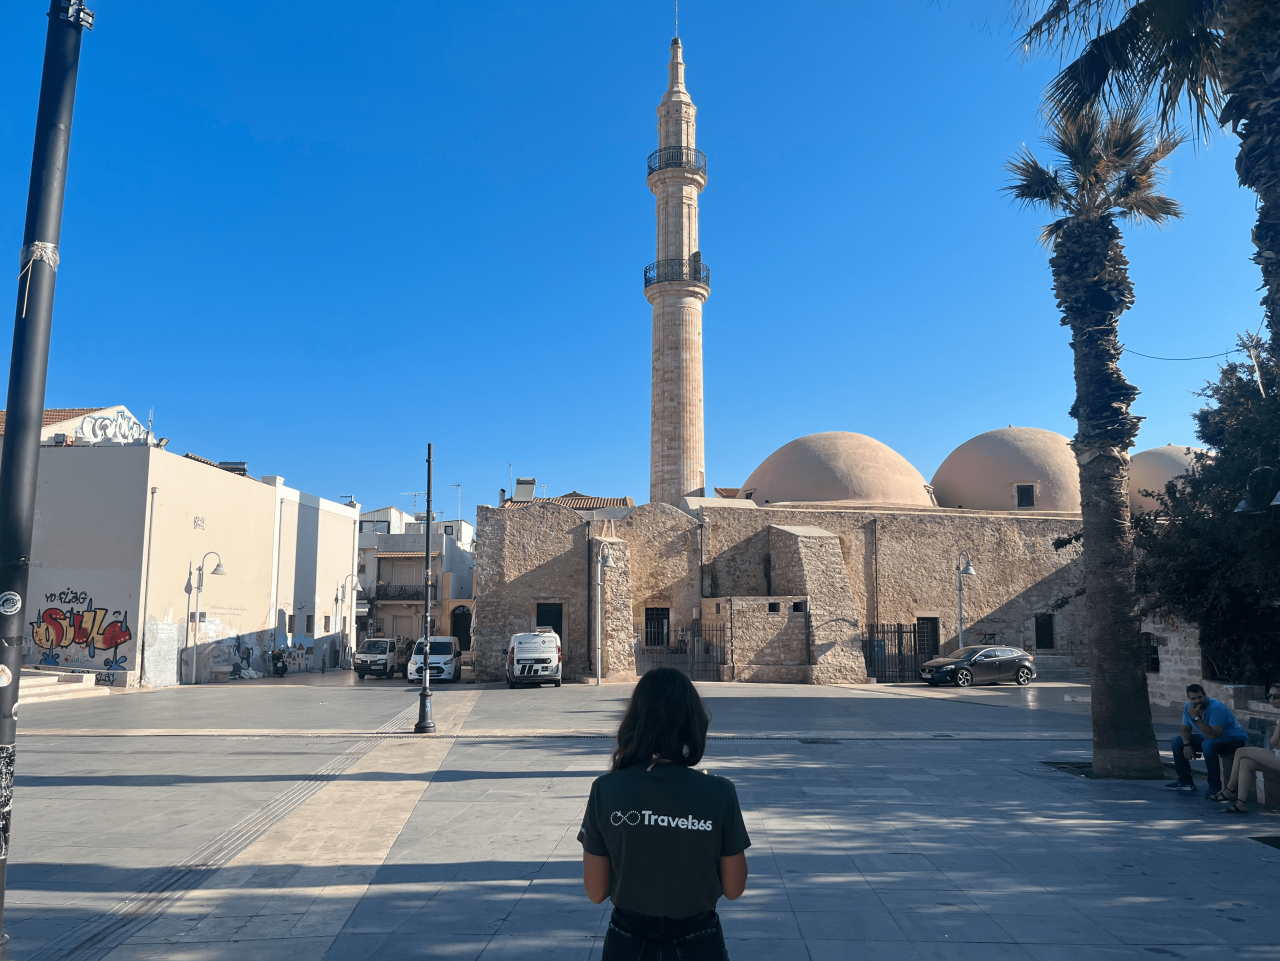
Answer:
x=980 y=665
x=535 y=657
x=446 y=659
x=382 y=655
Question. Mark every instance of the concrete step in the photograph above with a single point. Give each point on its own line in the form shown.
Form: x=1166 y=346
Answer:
x=38 y=686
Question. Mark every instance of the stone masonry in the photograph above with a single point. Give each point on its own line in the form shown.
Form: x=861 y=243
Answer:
x=677 y=459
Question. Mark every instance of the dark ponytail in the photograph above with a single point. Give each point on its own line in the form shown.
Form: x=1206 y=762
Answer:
x=665 y=718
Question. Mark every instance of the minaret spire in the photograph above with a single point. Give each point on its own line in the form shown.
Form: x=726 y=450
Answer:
x=677 y=285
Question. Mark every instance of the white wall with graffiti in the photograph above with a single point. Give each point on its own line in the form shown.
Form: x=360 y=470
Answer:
x=122 y=528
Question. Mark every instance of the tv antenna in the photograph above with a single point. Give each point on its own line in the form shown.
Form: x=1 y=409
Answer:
x=415 y=495
x=677 y=33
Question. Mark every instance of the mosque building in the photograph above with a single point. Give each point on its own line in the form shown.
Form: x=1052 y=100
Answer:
x=834 y=555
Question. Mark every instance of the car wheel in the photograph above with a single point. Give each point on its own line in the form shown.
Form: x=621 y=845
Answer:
x=511 y=684
x=933 y=683
x=557 y=683
x=964 y=677
x=1023 y=676
x=360 y=675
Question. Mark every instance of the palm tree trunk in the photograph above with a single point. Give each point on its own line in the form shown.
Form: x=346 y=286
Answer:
x=1091 y=281
x=1250 y=72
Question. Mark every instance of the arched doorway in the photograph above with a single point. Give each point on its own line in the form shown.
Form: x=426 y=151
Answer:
x=461 y=627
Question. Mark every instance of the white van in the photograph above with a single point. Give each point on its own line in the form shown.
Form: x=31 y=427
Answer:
x=381 y=655
x=534 y=658
x=446 y=660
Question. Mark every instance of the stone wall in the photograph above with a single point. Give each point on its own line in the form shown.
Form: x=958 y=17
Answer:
x=525 y=556
x=1179 y=646
x=808 y=560
x=666 y=560
x=766 y=646
x=900 y=564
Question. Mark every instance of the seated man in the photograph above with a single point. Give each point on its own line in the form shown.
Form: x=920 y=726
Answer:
x=1208 y=726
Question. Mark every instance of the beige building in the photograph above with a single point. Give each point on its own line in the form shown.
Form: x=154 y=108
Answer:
x=121 y=525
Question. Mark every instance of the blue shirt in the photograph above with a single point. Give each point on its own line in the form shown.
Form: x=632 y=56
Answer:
x=1216 y=713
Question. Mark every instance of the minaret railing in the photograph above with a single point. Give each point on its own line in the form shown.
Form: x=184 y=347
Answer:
x=687 y=271
x=677 y=156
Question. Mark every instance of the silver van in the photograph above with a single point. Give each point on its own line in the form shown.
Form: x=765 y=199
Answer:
x=382 y=655
x=535 y=657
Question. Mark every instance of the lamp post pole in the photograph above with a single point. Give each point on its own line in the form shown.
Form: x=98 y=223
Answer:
x=603 y=559
x=28 y=370
x=195 y=649
x=961 y=573
x=425 y=724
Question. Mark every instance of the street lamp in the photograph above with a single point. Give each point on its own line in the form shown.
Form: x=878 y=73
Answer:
x=425 y=723
x=603 y=559
x=195 y=650
x=962 y=572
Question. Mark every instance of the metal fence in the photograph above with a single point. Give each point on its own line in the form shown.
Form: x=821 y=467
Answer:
x=895 y=652
x=677 y=156
x=698 y=651
x=693 y=271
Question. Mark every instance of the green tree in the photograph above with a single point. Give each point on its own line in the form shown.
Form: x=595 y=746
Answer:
x=1111 y=170
x=1217 y=59
x=1203 y=559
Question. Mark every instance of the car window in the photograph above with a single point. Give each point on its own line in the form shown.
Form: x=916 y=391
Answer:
x=391 y=648
x=991 y=652
x=1008 y=652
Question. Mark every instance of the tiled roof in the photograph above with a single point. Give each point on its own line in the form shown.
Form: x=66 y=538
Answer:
x=401 y=554
x=729 y=492
x=56 y=415
x=197 y=457
x=578 y=502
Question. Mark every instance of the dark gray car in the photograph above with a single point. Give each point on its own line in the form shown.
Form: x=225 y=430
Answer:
x=980 y=665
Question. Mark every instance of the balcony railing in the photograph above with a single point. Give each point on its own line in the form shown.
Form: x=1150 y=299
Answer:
x=399 y=592
x=677 y=157
x=689 y=271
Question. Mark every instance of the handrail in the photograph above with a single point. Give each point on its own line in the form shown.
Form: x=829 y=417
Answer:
x=688 y=271
x=677 y=156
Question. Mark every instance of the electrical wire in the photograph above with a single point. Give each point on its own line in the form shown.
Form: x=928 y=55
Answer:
x=1202 y=357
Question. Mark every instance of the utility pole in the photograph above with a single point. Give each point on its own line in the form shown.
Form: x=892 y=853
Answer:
x=425 y=725
x=29 y=366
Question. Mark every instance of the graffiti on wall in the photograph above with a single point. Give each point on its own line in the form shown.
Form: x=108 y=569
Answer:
x=67 y=635
x=121 y=427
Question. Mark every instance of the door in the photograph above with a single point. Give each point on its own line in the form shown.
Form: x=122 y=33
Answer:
x=927 y=638
x=657 y=626
x=402 y=625
x=552 y=616
x=460 y=627
x=987 y=669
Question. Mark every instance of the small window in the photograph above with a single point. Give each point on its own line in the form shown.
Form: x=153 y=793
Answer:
x=326 y=623
x=344 y=624
x=375 y=527
x=311 y=624
x=1151 y=643
x=797 y=607
x=717 y=608
x=775 y=607
x=289 y=629
x=448 y=529
x=1044 y=632
x=1026 y=495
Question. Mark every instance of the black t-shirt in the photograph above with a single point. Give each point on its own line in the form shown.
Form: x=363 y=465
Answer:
x=664 y=832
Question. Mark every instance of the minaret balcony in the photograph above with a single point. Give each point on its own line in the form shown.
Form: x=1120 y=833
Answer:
x=679 y=271
x=677 y=156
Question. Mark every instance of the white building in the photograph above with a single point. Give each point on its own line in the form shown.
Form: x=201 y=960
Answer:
x=121 y=526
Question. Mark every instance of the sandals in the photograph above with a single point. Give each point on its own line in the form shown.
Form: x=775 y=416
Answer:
x=1223 y=796
x=1232 y=809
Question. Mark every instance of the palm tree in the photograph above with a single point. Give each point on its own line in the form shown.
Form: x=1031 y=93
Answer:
x=1215 y=58
x=1111 y=171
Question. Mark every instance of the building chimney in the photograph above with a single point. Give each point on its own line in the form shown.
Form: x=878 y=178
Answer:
x=502 y=496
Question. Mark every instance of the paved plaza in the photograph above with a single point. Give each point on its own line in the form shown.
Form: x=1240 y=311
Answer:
x=294 y=819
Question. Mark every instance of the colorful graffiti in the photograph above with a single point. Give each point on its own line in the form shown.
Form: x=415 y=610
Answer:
x=83 y=632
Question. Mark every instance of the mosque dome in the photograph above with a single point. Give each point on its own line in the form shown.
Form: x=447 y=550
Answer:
x=1151 y=469
x=837 y=466
x=1008 y=469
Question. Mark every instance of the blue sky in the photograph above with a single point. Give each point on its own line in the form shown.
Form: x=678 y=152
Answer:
x=315 y=238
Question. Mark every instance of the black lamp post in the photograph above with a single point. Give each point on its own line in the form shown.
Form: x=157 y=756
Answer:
x=24 y=412
x=425 y=725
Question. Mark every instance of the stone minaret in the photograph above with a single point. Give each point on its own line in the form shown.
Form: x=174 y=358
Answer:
x=677 y=286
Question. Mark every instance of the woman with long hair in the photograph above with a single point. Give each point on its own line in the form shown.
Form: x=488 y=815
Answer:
x=1248 y=761
x=659 y=838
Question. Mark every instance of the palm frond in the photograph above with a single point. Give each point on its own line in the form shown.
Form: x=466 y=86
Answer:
x=1033 y=184
x=1149 y=207
x=1049 y=233
x=1063 y=21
